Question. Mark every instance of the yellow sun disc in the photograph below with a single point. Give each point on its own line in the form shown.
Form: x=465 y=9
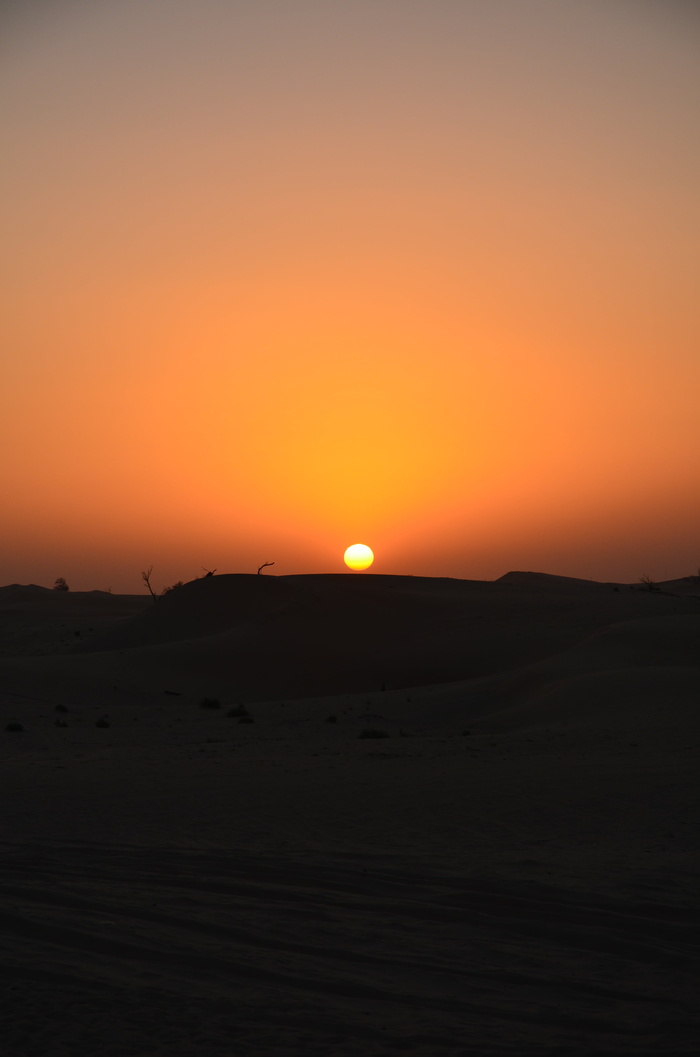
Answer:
x=358 y=557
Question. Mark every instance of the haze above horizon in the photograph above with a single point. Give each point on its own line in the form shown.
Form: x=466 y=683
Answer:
x=281 y=277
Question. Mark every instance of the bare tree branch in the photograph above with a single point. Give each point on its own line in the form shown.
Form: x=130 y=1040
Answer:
x=146 y=576
x=264 y=566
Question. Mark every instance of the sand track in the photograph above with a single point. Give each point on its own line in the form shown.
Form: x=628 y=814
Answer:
x=213 y=951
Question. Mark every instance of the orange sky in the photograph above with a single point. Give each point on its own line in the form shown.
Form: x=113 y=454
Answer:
x=281 y=277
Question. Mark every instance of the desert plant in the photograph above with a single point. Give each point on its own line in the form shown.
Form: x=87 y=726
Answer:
x=60 y=708
x=648 y=583
x=60 y=584
x=372 y=733
x=146 y=577
x=237 y=711
x=14 y=728
x=103 y=722
x=61 y=723
x=247 y=718
x=209 y=702
x=173 y=587
x=331 y=719
x=264 y=566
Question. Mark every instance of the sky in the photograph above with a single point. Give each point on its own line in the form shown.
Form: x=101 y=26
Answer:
x=281 y=276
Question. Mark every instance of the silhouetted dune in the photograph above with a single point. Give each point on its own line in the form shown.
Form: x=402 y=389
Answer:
x=298 y=636
x=199 y=608
x=548 y=580
x=687 y=585
x=252 y=637
x=38 y=620
x=636 y=700
x=655 y=640
x=632 y=669
x=20 y=592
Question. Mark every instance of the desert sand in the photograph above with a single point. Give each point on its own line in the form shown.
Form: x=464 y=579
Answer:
x=202 y=854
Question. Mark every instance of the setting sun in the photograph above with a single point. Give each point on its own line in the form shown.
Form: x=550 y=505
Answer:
x=358 y=557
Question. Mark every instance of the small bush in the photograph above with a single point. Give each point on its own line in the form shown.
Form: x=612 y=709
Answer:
x=61 y=723
x=104 y=722
x=209 y=702
x=173 y=587
x=331 y=719
x=246 y=719
x=237 y=711
x=371 y=733
x=14 y=728
x=60 y=708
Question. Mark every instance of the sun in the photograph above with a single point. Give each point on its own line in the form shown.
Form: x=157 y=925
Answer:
x=358 y=557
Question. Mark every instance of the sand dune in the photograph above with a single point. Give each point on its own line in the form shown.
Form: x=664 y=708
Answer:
x=512 y=868
x=253 y=638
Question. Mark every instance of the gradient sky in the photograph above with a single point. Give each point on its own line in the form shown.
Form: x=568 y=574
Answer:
x=284 y=275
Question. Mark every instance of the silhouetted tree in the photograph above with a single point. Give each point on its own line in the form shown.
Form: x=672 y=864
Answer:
x=60 y=584
x=146 y=576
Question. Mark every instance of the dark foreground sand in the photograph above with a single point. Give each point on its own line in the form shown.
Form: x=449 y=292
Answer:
x=513 y=869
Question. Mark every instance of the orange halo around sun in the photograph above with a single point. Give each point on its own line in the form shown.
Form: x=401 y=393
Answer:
x=358 y=557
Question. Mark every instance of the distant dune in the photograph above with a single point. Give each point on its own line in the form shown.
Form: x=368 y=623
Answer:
x=255 y=638
x=297 y=636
